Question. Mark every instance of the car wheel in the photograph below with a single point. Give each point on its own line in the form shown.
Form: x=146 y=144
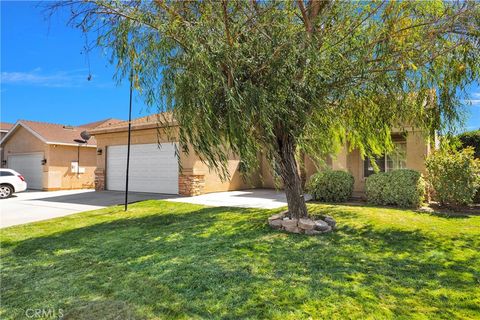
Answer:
x=5 y=191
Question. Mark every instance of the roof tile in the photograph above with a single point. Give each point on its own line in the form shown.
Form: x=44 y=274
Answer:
x=150 y=120
x=6 y=126
x=106 y=122
x=57 y=133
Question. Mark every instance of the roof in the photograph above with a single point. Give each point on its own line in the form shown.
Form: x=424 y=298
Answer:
x=95 y=124
x=151 y=121
x=51 y=133
x=5 y=126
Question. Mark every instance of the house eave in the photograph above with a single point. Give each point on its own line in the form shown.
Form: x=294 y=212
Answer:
x=133 y=128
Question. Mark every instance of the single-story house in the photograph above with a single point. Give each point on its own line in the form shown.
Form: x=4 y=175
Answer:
x=47 y=155
x=154 y=166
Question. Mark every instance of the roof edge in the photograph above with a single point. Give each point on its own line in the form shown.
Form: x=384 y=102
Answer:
x=133 y=127
x=38 y=136
x=14 y=128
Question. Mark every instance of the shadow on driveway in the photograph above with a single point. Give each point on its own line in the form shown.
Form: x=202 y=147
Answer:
x=105 y=198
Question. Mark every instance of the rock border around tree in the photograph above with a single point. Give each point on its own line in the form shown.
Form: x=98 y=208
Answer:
x=281 y=221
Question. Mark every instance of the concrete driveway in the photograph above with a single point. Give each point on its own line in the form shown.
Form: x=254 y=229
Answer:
x=32 y=206
x=254 y=198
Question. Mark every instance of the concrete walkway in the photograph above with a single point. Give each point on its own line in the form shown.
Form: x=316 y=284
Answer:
x=254 y=198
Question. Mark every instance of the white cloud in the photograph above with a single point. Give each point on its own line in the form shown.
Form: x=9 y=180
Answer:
x=59 y=79
x=475 y=101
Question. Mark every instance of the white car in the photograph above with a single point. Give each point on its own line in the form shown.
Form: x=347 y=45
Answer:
x=11 y=181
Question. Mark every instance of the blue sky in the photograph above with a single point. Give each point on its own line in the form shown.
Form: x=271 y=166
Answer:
x=44 y=73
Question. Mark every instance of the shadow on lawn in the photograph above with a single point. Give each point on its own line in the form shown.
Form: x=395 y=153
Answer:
x=218 y=262
x=432 y=210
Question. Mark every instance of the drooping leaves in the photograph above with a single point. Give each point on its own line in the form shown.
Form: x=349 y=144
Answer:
x=236 y=73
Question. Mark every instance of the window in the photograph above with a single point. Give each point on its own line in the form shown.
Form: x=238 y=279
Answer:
x=5 y=173
x=397 y=159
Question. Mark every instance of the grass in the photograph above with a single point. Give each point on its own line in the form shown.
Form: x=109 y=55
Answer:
x=165 y=260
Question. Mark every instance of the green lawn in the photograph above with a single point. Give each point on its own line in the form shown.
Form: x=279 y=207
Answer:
x=165 y=260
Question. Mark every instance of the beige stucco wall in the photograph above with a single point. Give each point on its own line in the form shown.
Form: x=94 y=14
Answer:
x=56 y=172
x=22 y=141
x=418 y=148
x=190 y=163
x=356 y=168
x=59 y=167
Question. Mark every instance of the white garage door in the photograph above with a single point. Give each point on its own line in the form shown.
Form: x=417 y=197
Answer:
x=152 y=169
x=29 y=166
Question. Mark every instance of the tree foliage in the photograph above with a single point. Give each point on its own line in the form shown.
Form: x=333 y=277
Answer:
x=270 y=76
x=471 y=139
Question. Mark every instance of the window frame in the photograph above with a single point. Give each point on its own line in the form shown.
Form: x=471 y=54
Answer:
x=383 y=161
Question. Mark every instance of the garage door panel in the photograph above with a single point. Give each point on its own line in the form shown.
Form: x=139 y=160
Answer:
x=152 y=169
x=30 y=166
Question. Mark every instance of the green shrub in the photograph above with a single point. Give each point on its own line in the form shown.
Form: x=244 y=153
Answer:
x=476 y=199
x=331 y=186
x=454 y=176
x=375 y=186
x=471 y=139
x=404 y=188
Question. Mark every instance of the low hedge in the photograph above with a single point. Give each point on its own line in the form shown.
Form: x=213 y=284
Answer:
x=403 y=188
x=331 y=186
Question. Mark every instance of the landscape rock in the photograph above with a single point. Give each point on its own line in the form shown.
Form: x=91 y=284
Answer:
x=293 y=229
x=281 y=221
x=321 y=225
x=306 y=224
x=276 y=224
x=289 y=223
x=313 y=232
x=327 y=230
x=331 y=222
x=276 y=216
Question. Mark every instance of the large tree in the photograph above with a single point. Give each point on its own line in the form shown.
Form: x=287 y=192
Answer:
x=276 y=76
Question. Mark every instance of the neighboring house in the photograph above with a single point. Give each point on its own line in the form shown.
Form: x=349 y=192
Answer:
x=47 y=155
x=155 y=168
x=4 y=128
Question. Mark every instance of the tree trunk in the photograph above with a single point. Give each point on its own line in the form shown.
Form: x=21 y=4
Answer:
x=291 y=178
